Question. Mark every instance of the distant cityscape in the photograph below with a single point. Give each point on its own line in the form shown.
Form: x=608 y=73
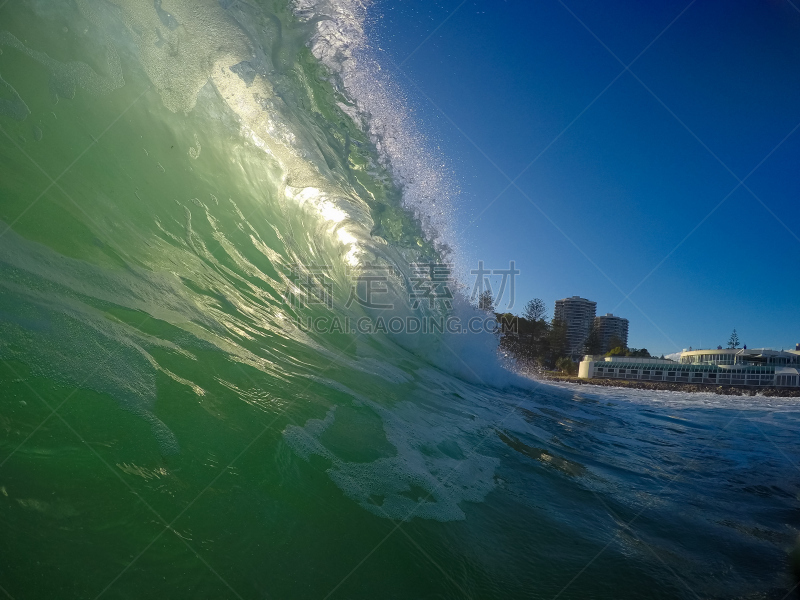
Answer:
x=594 y=337
x=586 y=332
x=543 y=344
x=579 y=342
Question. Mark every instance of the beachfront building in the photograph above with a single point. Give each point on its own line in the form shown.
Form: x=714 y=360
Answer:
x=608 y=327
x=578 y=315
x=751 y=368
x=738 y=356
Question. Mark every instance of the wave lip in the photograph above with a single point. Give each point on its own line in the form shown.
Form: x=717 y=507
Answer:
x=385 y=113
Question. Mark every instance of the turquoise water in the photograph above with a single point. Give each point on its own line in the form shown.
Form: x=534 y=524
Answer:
x=172 y=173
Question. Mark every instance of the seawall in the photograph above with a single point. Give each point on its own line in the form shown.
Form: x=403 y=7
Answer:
x=725 y=390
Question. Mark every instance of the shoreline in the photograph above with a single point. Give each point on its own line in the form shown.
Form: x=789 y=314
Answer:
x=669 y=386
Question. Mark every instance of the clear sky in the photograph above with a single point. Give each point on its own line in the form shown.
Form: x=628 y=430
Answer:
x=625 y=182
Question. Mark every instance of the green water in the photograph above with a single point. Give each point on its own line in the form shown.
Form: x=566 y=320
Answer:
x=167 y=431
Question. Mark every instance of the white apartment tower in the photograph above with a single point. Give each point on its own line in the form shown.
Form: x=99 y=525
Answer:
x=609 y=326
x=578 y=315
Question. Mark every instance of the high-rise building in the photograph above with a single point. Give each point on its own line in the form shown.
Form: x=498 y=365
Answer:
x=608 y=326
x=578 y=315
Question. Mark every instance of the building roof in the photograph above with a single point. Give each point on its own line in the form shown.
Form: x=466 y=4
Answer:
x=638 y=359
x=576 y=298
x=742 y=351
x=664 y=366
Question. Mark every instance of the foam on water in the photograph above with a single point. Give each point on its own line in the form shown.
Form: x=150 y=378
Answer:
x=429 y=473
x=65 y=77
x=13 y=106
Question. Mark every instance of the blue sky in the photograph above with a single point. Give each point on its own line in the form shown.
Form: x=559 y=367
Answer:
x=639 y=195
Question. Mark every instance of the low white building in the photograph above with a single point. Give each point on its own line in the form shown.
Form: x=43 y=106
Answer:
x=754 y=368
x=739 y=356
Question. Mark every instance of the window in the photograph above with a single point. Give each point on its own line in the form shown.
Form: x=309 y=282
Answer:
x=671 y=374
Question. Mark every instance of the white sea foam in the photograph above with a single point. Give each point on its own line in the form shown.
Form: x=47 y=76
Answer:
x=429 y=475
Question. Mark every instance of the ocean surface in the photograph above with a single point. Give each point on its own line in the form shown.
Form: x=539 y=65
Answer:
x=185 y=186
